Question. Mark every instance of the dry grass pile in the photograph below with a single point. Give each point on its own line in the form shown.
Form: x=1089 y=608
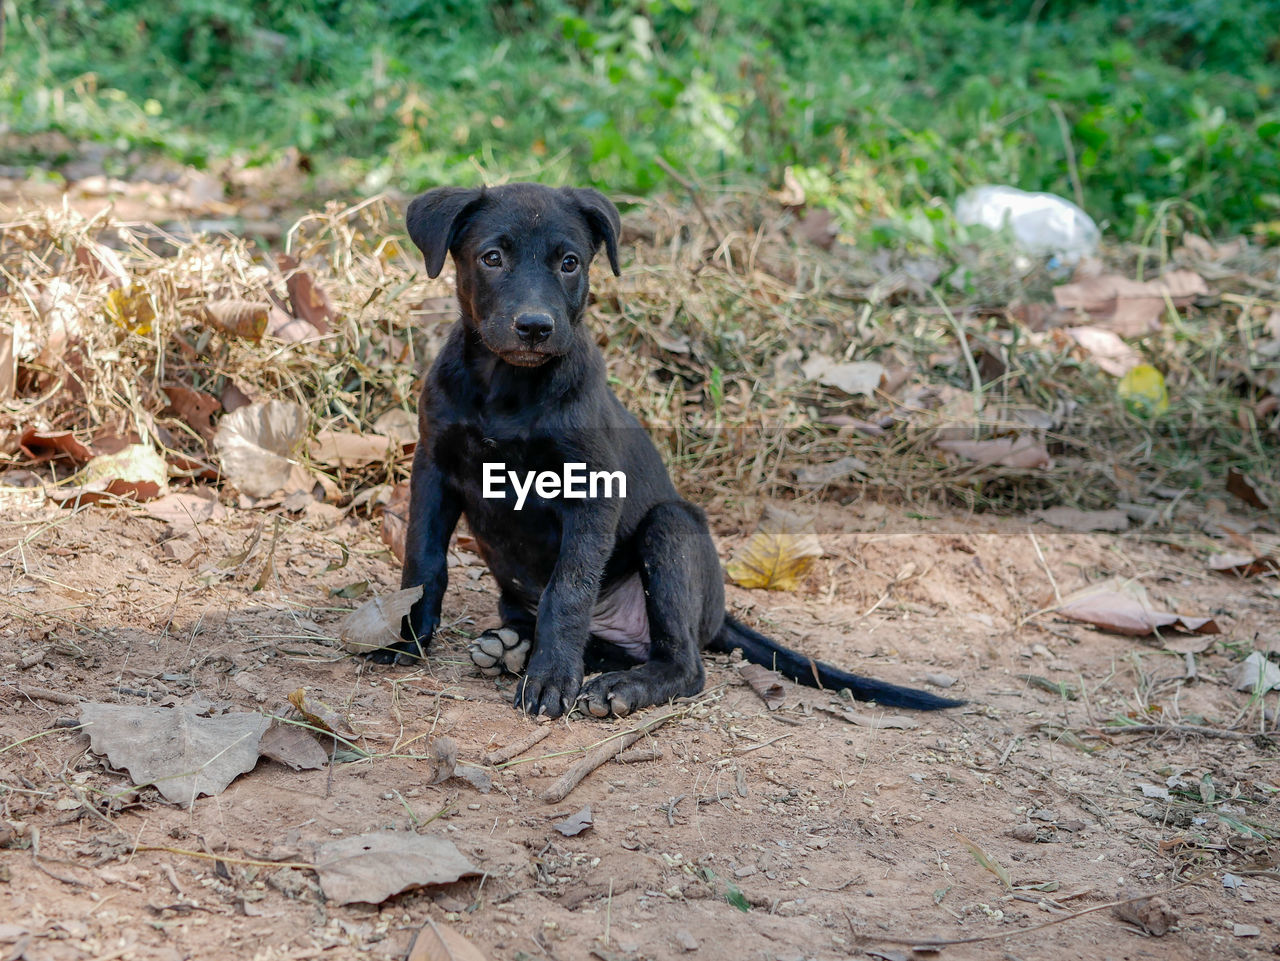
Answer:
x=764 y=355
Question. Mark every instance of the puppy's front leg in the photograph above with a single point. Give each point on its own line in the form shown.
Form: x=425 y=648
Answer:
x=554 y=676
x=434 y=509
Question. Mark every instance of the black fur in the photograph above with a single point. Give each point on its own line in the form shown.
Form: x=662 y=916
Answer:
x=520 y=381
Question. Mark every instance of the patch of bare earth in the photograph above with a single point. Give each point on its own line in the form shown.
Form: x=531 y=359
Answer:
x=753 y=834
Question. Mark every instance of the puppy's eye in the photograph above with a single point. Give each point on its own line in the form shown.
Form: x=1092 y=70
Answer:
x=570 y=263
x=491 y=258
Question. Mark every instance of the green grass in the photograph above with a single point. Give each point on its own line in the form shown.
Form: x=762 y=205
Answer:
x=883 y=106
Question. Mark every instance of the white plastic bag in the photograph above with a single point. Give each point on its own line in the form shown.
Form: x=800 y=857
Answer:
x=1042 y=224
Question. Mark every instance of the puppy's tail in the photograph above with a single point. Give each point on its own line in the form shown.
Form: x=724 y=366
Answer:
x=767 y=652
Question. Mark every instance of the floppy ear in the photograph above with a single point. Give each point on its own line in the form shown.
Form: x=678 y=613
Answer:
x=436 y=218
x=602 y=217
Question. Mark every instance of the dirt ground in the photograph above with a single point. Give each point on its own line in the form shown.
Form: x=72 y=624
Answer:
x=839 y=839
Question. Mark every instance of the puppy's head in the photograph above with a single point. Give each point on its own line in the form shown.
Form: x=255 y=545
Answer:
x=522 y=252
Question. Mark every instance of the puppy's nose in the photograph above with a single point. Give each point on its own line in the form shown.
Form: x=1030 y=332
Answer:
x=534 y=328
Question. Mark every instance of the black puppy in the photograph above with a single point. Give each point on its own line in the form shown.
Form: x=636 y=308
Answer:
x=520 y=390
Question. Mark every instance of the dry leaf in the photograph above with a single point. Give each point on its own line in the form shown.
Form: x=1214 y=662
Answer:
x=307 y=298
x=1122 y=607
x=43 y=445
x=1244 y=564
x=398 y=424
x=136 y=472
x=182 y=753
x=376 y=623
x=819 y=475
x=185 y=510
x=395 y=520
x=344 y=448
x=1131 y=308
x=1108 y=351
x=246 y=319
x=292 y=745
x=859 y=377
x=444 y=758
x=256 y=445
x=321 y=716
x=1019 y=452
x=1247 y=489
x=1256 y=673
x=766 y=683
x=575 y=824
x=195 y=407
x=778 y=555
x=898 y=722
x=439 y=942
x=1079 y=521
x=1153 y=915
x=370 y=868
x=987 y=861
x=283 y=326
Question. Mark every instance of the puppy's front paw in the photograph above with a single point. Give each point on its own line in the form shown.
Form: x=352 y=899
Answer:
x=500 y=650
x=551 y=692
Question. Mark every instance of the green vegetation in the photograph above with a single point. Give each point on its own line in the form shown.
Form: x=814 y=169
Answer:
x=882 y=105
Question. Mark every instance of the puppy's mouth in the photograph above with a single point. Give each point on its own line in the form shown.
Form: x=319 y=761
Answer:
x=525 y=358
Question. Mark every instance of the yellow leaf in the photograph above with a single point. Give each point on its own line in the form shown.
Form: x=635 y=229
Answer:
x=131 y=309
x=1143 y=390
x=778 y=555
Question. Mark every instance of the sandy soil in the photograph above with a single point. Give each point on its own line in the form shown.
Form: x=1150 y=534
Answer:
x=842 y=839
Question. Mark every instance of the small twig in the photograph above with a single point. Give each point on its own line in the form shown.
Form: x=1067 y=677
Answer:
x=638 y=755
x=1057 y=594
x=44 y=694
x=226 y=859
x=948 y=942
x=505 y=754
x=1176 y=729
x=1072 y=170
x=756 y=747
x=600 y=754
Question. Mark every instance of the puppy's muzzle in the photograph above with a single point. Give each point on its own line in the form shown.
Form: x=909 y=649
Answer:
x=533 y=329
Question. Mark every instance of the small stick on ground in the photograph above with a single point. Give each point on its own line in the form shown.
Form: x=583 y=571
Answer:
x=502 y=755
x=1183 y=729
x=637 y=755
x=601 y=753
x=44 y=694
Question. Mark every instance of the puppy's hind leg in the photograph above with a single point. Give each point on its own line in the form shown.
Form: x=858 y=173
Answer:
x=684 y=599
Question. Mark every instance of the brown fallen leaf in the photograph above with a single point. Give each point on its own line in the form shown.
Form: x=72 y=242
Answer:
x=181 y=752
x=136 y=472
x=1081 y=521
x=44 y=445
x=321 y=716
x=257 y=446
x=292 y=745
x=768 y=684
x=575 y=824
x=778 y=555
x=369 y=868
x=194 y=407
x=1153 y=915
x=439 y=942
x=345 y=448
x=855 y=378
x=444 y=758
x=1130 y=307
x=1019 y=452
x=1246 y=488
x=395 y=520
x=376 y=623
x=284 y=326
x=1244 y=563
x=1108 y=351
x=246 y=319
x=185 y=510
x=1123 y=607
x=307 y=298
